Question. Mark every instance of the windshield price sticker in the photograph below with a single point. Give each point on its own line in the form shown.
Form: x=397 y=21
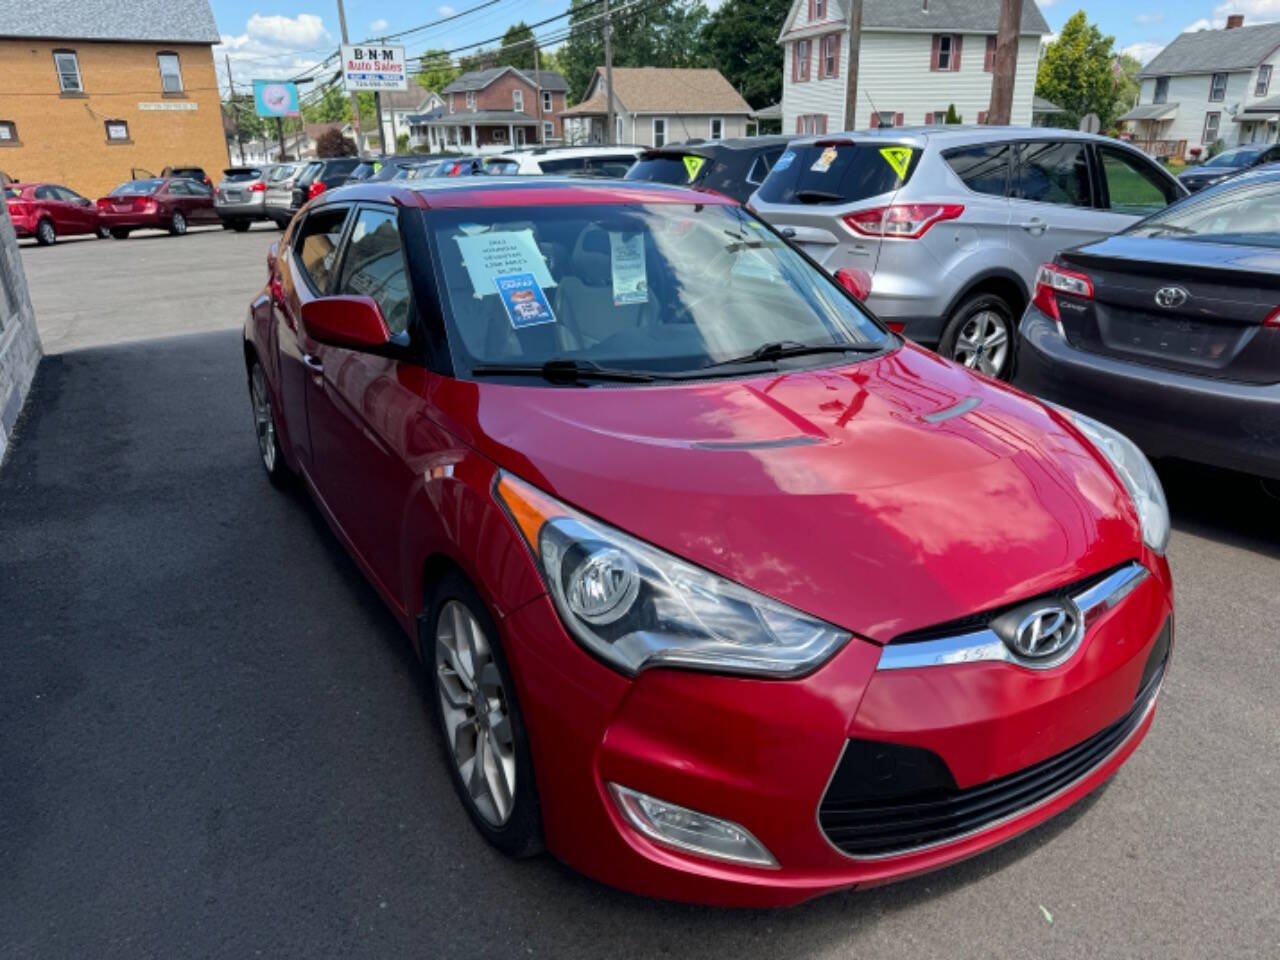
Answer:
x=524 y=300
x=899 y=158
x=824 y=161
x=488 y=256
x=630 y=282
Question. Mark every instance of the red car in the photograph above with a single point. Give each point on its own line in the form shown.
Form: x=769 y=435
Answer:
x=48 y=211
x=726 y=592
x=158 y=203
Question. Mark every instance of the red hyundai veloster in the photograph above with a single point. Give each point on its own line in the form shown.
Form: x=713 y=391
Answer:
x=728 y=594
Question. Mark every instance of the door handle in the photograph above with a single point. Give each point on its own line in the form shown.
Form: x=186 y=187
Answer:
x=788 y=232
x=1034 y=225
x=314 y=364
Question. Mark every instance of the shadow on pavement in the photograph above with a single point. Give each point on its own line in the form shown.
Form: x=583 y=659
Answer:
x=1235 y=509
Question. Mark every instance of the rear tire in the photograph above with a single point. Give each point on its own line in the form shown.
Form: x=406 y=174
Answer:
x=177 y=224
x=102 y=233
x=240 y=226
x=46 y=234
x=264 y=421
x=980 y=335
x=120 y=233
x=482 y=730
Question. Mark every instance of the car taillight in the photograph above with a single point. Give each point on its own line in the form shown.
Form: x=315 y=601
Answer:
x=1052 y=280
x=905 y=221
x=18 y=208
x=258 y=187
x=315 y=189
x=1273 y=318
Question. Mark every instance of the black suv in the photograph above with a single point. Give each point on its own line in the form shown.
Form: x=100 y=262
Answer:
x=319 y=176
x=732 y=167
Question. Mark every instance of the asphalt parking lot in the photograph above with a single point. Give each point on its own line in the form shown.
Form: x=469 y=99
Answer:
x=214 y=741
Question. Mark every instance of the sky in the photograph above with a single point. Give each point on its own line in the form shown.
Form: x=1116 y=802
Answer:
x=275 y=38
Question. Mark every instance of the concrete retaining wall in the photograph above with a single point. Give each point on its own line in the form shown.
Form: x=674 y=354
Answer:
x=19 y=341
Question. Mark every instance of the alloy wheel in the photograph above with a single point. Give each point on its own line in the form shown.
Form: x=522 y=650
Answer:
x=476 y=713
x=983 y=343
x=179 y=224
x=46 y=234
x=263 y=419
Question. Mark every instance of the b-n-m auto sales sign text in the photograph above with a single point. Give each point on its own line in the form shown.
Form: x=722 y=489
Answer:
x=368 y=67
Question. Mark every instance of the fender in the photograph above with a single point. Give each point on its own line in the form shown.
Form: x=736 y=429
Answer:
x=991 y=273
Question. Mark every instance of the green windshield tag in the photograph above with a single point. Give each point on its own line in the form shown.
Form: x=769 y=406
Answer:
x=693 y=165
x=899 y=158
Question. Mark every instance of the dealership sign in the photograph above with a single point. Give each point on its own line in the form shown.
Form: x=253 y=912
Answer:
x=367 y=67
x=275 y=98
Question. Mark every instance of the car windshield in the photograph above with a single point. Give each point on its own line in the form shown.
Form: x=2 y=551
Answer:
x=137 y=188
x=11 y=194
x=282 y=172
x=837 y=171
x=667 y=289
x=670 y=168
x=1242 y=156
x=1247 y=215
x=242 y=174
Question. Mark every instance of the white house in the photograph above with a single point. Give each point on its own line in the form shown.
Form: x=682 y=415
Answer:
x=1207 y=86
x=398 y=106
x=916 y=59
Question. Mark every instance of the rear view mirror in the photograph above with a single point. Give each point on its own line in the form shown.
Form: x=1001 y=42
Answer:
x=352 y=322
x=857 y=282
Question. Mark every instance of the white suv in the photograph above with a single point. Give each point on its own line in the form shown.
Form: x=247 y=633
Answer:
x=574 y=161
x=952 y=223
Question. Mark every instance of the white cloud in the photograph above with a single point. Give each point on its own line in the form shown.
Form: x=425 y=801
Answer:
x=445 y=10
x=1046 y=3
x=1202 y=24
x=1147 y=18
x=300 y=32
x=1143 y=51
x=378 y=26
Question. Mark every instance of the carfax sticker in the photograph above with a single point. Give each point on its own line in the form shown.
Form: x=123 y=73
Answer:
x=524 y=300
x=897 y=157
x=824 y=161
x=630 y=282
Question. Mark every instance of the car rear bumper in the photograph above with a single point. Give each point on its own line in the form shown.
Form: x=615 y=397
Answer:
x=1167 y=413
x=764 y=753
x=25 y=227
x=133 y=220
x=243 y=210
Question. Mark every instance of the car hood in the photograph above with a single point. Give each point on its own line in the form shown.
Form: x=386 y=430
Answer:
x=839 y=491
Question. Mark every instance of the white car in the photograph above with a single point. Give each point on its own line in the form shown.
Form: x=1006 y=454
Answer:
x=574 y=161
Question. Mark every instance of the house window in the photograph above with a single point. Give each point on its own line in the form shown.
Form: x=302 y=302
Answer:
x=8 y=133
x=800 y=65
x=946 y=52
x=1218 y=88
x=170 y=72
x=548 y=130
x=499 y=135
x=717 y=128
x=659 y=131
x=1264 y=81
x=517 y=101
x=452 y=98
x=886 y=118
x=68 y=68
x=819 y=10
x=117 y=131
x=1211 y=123
x=989 y=62
x=471 y=99
x=810 y=123
x=547 y=105
x=1162 y=90
x=829 y=64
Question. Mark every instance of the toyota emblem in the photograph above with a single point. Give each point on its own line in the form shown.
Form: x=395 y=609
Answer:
x=1171 y=297
x=1040 y=630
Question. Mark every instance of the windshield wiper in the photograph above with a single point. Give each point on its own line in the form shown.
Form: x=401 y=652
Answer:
x=562 y=371
x=778 y=349
x=818 y=196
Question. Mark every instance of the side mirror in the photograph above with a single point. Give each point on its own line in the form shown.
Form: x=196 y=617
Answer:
x=857 y=282
x=352 y=322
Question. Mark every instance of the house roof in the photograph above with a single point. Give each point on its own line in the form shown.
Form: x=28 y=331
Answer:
x=1215 y=51
x=415 y=98
x=959 y=16
x=1152 y=111
x=663 y=90
x=479 y=79
x=1041 y=105
x=158 y=21
x=466 y=118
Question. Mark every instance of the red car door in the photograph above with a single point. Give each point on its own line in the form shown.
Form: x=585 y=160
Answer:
x=365 y=410
x=200 y=208
x=50 y=206
x=80 y=214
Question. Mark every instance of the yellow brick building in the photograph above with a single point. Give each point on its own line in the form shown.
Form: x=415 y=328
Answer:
x=94 y=89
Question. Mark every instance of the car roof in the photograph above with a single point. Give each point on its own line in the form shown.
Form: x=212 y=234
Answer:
x=952 y=135
x=441 y=194
x=568 y=152
x=708 y=147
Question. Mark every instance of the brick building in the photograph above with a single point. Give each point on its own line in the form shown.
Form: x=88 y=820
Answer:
x=92 y=89
x=498 y=108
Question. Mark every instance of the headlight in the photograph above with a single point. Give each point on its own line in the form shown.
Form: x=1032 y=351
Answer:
x=1137 y=474
x=636 y=606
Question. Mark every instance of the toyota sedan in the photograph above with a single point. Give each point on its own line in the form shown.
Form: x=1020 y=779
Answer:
x=726 y=593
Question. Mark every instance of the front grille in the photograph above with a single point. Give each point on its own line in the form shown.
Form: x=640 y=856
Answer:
x=887 y=799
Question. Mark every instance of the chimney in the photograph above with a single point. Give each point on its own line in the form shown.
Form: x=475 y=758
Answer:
x=1235 y=20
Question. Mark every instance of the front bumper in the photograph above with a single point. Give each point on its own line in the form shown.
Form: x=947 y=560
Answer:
x=1167 y=413
x=762 y=753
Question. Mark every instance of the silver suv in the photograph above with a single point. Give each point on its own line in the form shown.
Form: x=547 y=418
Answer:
x=950 y=224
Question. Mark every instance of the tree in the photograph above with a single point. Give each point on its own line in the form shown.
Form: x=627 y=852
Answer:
x=245 y=119
x=517 y=47
x=436 y=71
x=333 y=106
x=741 y=40
x=952 y=116
x=1076 y=74
x=1128 y=84
x=332 y=143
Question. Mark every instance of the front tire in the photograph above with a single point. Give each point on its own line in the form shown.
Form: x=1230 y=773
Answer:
x=481 y=726
x=980 y=336
x=102 y=233
x=240 y=226
x=177 y=224
x=120 y=233
x=46 y=234
x=264 y=421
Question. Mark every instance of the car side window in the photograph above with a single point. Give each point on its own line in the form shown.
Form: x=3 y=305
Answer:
x=762 y=164
x=373 y=266
x=1053 y=172
x=983 y=168
x=70 y=196
x=198 y=189
x=179 y=188
x=46 y=193
x=317 y=247
x=1132 y=187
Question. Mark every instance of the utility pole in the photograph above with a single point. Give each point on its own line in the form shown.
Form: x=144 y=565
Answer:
x=377 y=106
x=355 y=100
x=280 y=134
x=235 y=117
x=537 y=91
x=608 y=70
x=851 y=68
x=1005 y=68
